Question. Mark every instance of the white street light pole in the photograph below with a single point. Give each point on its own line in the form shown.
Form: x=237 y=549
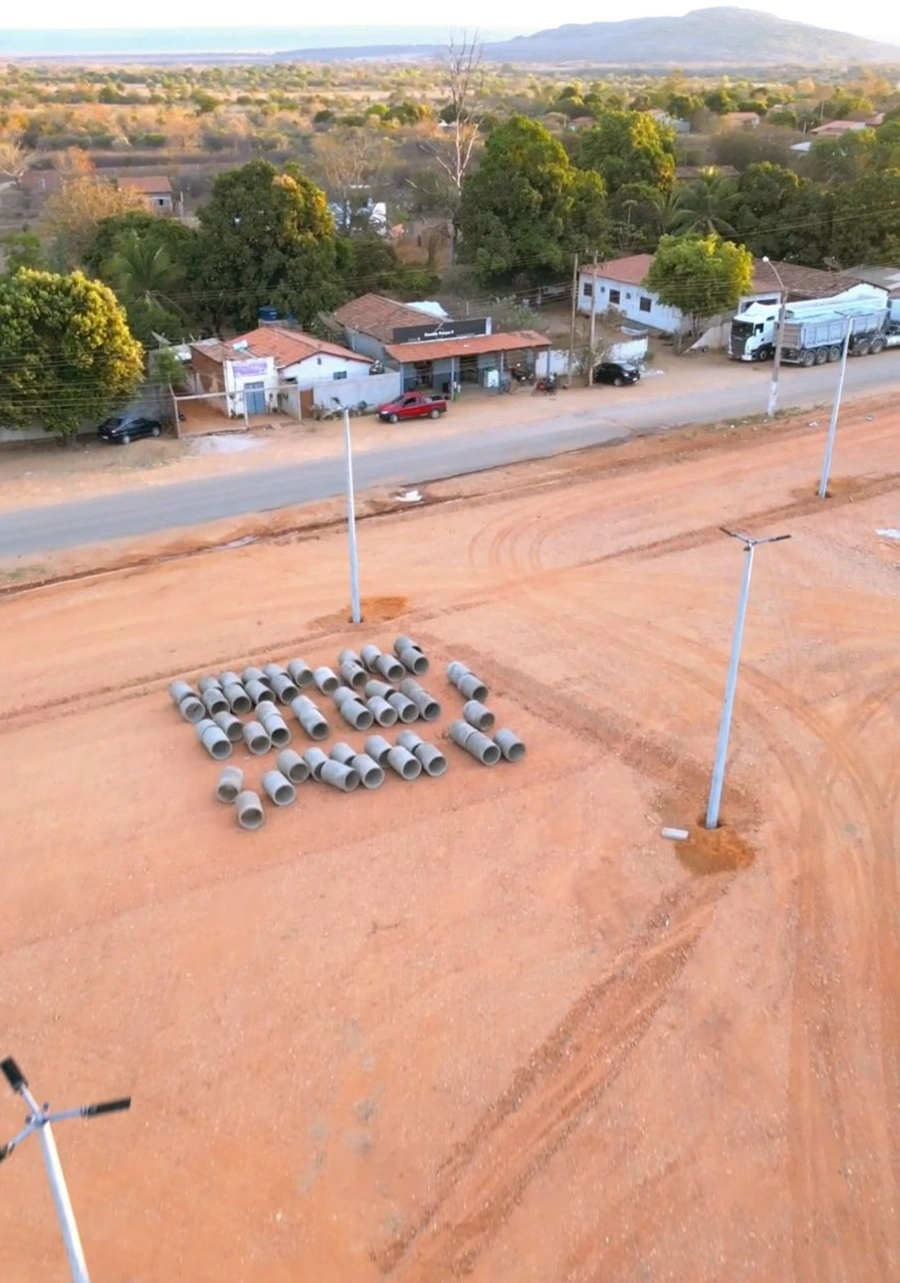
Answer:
x=355 y=612
x=39 y=1120
x=835 y=411
x=779 y=339
x=718 y=775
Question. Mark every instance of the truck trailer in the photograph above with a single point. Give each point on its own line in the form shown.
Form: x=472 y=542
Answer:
x=814 y=330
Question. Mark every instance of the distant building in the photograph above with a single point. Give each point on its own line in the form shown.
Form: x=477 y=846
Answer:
x=156 y=190
x=835 y=128
x=740 y=119
x=671 y=122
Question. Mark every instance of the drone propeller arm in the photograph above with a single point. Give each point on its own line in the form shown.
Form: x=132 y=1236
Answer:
x=7 y=1149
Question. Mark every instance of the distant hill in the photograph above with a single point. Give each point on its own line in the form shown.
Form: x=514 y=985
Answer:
x=708 y=38
x=705 y=37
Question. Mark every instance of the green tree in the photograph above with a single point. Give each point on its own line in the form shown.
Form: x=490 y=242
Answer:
x=22 y=249
x=628 y=147
x=866 y=226
x=702 y=276
x=68 y=355
x=706 y=206
x=639 y=213
x=266 y=237
x=886 y=154
x=781 y=215
x=842 y=159
x=527 y=209
x=720 y=101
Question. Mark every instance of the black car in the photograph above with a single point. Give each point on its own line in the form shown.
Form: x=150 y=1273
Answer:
x=122 y=431
x=616 y=374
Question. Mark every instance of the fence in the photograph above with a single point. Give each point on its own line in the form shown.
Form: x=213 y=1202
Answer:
x=374 y=389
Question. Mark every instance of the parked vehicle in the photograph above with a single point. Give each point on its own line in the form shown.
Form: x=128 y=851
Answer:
x=521 y=374
x=814 y=330
x=547 y=385
x=413 y=405
x=124 y=429
x=616 y=373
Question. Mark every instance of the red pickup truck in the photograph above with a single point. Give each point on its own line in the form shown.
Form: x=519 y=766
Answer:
x=412 y=405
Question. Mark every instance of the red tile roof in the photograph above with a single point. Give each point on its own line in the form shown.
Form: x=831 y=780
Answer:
x=149 y=186
x=800 y=282
x=379 y=316
x=626 y=271
x=473 y=345
x=286 y=347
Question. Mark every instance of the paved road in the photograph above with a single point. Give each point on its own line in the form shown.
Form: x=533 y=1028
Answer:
x=186 y=503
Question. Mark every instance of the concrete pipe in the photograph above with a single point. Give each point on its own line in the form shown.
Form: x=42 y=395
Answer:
x=381 y=689
x=259 y=692
x=230 y=725
x=256 y=739
x=179 y=691
x=278 y=787
x=406 y=643
x=510 y=745
x=309 y=717
x=403 y=707
x=341 y=694
x=456 y=671
x=390 y=668
x=413 y=661
x=284 y=688
x=339 y=776
x=431 y=757
x=325 y=680
x=353 y=674
x=383 y=712
x=477 y=715
x=349 y=656
x=343 y=753
x=217 y=745
x=191 y=709
x=429 y=709
x=214 y=701
x=474 y=743
x=378 y=748
x=250 y=814
x=229 y=678
x=231 y=781
x=315 y=759
x=356 y=715
x=253 y=675
x=301 y=673
x=371 y=776
x=272 y=671
x=275 y=727
x=368 y=656
x=405 y=765
x=472 y=687
x=209 y=683
x=292 y=765
x=238 y=699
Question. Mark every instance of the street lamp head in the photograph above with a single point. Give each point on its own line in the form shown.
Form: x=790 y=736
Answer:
x=13 y=1074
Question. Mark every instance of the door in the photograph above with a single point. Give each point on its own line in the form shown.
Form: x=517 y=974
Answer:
x=255 y=398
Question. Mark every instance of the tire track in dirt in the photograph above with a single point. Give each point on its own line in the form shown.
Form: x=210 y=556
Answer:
x=487 y=1174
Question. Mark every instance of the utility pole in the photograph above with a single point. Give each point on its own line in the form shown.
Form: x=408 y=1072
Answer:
x=779 y=339
x=39 y=1120
x=835 y=411
x=718 y=775
x=355 y=615
x=593 y=331
x=572 y=326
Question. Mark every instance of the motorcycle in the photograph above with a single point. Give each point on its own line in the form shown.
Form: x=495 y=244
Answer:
x=521 y=375
x=547 y=385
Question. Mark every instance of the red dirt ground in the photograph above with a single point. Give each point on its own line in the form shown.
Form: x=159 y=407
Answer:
x=488 y=1026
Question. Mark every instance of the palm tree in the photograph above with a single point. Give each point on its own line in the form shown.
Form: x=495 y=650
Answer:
x=142 y=271
x=705 y=207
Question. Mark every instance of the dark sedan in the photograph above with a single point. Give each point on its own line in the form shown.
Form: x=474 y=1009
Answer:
x=122 y=431
x=616 y=374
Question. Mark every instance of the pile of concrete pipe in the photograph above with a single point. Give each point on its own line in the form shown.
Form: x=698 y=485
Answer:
x=475 y=731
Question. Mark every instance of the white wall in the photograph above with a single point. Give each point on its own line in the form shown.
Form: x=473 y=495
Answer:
x=324 y=366
x=630 y=352
x=234 y=383
x=374 y=389
x=669 y=320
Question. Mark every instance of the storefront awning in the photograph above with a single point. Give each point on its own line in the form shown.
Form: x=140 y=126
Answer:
x=474 y=345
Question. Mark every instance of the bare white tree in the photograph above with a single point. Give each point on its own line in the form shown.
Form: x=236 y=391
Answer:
x=453 y=145
x=14 y=161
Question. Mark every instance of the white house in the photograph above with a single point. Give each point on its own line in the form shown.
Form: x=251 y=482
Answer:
x=618 y=285
x=267 y=369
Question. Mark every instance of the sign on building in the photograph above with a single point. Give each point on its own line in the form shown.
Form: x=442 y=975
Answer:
x=250 y=369
x=439 y=330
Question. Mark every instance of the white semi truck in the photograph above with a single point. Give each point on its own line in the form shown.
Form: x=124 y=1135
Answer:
x=814 y=330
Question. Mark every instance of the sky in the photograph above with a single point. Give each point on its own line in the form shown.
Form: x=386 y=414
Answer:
x=516 y=15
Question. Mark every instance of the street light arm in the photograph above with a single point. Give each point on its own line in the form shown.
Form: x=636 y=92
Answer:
x=106 y=1107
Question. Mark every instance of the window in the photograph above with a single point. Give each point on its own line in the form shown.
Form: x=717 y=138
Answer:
x=588 y=290
x=339 y=374
x=646 y=304
x=628 y=296
x=615 y=296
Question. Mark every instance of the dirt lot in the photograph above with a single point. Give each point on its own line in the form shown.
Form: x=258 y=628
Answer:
x=488 y=1026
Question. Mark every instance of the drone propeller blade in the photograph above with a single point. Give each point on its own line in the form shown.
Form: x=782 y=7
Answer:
x=107 y=1107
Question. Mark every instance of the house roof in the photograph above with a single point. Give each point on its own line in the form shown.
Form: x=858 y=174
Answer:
x=379 y=316
x=154 y=186
x=285 y=347
x=839 y=127
x=741 y=116
x=626 y=271
x=473 y=345
x=800 y=282
x=887 y=278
